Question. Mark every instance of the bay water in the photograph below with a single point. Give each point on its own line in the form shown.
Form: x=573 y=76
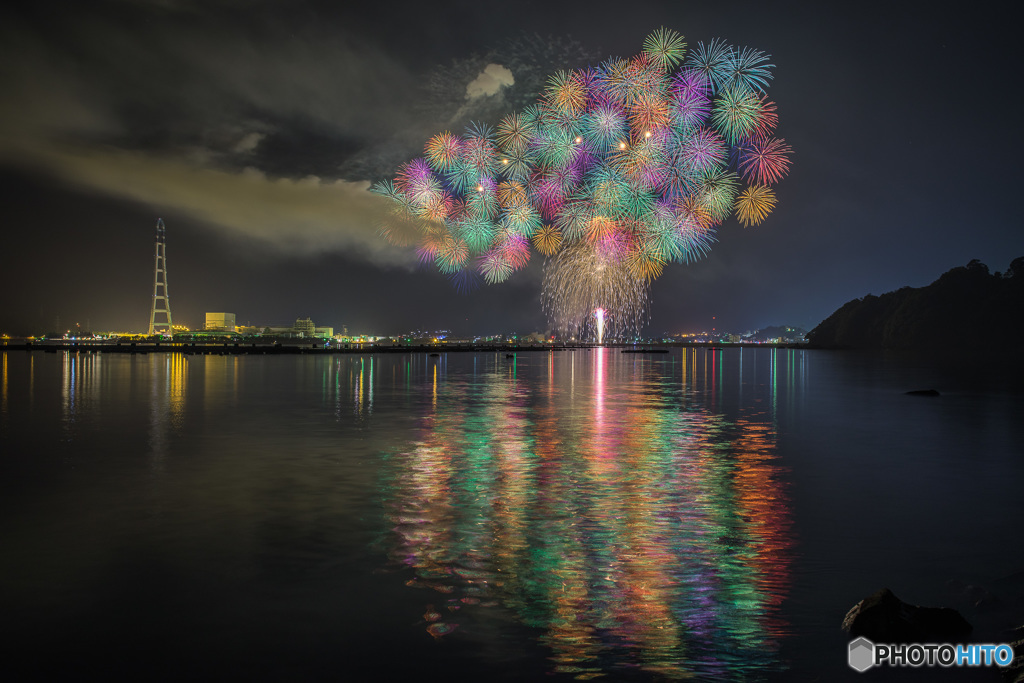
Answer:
x=705 y=514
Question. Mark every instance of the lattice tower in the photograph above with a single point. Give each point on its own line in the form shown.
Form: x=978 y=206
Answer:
x=161 y=302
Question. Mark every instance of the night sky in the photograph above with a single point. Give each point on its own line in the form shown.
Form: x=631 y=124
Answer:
x=254 y=128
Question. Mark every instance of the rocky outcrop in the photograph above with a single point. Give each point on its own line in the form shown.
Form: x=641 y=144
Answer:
x=884 y=618
x=1015 y=672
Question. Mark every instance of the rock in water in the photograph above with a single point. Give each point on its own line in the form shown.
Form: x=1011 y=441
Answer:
x=884 y=618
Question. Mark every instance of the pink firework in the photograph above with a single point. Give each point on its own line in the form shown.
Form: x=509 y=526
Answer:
x=515 y=249
x=548 y=193
x=765 y=161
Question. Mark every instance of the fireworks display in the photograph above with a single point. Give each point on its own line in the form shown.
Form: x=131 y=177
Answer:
x=615 y=172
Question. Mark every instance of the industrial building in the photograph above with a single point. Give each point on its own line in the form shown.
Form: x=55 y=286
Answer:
x=220 y=322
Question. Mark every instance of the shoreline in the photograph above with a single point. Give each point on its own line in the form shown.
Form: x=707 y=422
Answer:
x=258 y=348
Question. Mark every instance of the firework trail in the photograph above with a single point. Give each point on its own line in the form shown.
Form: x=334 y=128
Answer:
x=616 y=171
x=579 y=280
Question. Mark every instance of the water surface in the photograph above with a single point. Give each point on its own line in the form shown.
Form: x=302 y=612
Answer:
x=702 y=514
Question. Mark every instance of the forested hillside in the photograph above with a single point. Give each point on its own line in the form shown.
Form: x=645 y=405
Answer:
x=965 y=305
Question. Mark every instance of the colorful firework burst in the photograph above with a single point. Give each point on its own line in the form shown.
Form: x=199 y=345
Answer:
x=665 y=47
x=615 y=172
x=764 y=161
x=753 y=204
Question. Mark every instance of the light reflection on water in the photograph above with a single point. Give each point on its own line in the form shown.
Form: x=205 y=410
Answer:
x=607 y=507
x=3 y=389
x=574 y=513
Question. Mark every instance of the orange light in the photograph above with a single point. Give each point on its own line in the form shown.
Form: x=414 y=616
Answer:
x=622 y=145
x=579 y=140
x=504 y=161
x=647 y=134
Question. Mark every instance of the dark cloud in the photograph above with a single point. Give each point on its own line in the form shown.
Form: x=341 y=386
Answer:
x=248 y=127
x=181 y=110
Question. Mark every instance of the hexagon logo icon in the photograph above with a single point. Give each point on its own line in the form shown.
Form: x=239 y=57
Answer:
x=862 y=654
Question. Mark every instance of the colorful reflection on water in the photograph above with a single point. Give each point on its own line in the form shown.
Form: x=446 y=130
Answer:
x=629 y=511
x=608 y=506
x=579 y=513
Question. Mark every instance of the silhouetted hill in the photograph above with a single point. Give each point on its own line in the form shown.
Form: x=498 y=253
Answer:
x=966 y=304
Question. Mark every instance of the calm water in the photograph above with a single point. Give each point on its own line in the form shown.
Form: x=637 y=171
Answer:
x=708 y=515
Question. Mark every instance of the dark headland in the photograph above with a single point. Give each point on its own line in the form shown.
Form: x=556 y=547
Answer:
x=966 y=305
